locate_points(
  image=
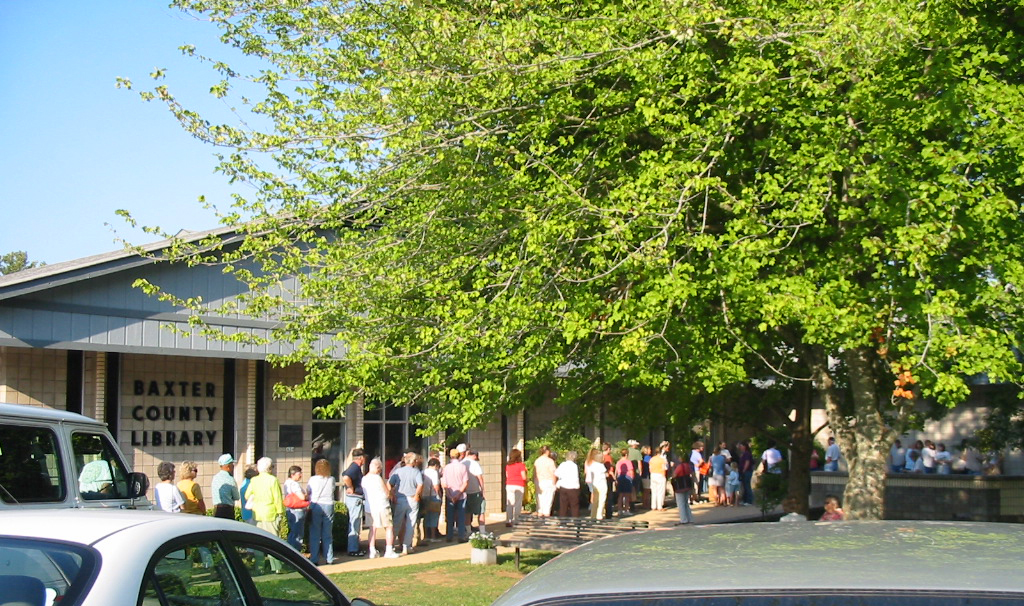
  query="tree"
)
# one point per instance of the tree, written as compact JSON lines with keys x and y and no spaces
{"x":16,"y":261}
{"x":482,"y":196}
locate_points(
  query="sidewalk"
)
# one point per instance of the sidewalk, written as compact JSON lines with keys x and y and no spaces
{"x":704,"y":513}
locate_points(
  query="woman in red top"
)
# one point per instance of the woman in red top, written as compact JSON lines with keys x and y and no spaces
{"x":515,"y":486}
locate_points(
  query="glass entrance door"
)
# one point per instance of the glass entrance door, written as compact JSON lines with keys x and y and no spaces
{"x":387,"y":433}
{"x":328,"y":439}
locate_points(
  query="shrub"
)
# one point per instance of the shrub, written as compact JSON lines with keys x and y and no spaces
{"x":482,"y":540}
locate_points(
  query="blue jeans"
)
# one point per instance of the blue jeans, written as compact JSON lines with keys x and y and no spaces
{"x":456,"y":514}
{"x":406,"y":512}
{"x":683,"y":504}
{"x":833,"y":466}
{"x":748,"y":490}
{"x":296,"y":522}
{"x":321,"y":522}
{"x":354,"y":503}
{"x":431,"y":518}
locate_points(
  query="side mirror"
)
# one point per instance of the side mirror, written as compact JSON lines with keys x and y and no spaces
{"x":361,"y":602}
{"x":138,"y":484}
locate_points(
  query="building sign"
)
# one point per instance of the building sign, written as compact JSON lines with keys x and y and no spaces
{"x":195,"y":420}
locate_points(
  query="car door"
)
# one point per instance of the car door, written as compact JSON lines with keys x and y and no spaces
{"x":234,"y":569}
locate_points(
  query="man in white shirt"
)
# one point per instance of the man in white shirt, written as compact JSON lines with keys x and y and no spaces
{"x":832,"y":455}
{"x":771,"y":458}
{"x":897,"y":457}
{"x":928,"y":456}
{"x":568,"y":484}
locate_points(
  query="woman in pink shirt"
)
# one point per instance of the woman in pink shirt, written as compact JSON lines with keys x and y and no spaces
{"x":515,"y":486}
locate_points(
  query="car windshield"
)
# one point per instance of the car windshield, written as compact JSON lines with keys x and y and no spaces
{"x":29,"y":568}
{"x":101,"y":475}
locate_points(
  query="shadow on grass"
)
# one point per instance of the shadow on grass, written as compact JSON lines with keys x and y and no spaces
{"x":446,"y":583}
{"x":528,"y":560}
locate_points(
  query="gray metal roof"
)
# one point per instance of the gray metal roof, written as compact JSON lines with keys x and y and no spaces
{"x":66,"y":272}
{"x":90,"y":304}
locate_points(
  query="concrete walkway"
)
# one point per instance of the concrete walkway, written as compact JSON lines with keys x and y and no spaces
{"x":704,"y":513}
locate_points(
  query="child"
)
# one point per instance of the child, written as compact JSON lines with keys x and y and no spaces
{"x":732,"y":484}
{"x":832,"y":511}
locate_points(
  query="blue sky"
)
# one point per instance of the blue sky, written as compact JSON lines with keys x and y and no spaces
{"x":74,"y":148}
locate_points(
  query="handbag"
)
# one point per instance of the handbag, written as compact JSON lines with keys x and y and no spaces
{"x":292,"y":500}
{"x":433,"y":506}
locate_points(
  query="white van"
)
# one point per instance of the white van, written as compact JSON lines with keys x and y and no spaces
{"x":53,"y":458}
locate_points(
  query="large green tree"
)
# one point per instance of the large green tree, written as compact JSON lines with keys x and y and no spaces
{"x":483,"y":196}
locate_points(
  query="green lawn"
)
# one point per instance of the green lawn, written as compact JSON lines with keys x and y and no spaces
{"x":452,"y":583}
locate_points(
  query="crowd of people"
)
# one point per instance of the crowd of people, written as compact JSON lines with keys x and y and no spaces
{"x":636,"y":475}
{"x":920,"y":456}
{"x":926,"y":456}
{"x":400,"y":500}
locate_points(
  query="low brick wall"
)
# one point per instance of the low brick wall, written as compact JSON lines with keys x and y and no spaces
{"x":938,"y":497}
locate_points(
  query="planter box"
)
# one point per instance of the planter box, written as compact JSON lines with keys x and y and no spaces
{"x":483,"y":556}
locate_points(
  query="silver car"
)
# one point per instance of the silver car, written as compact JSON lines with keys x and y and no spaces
{"x":781,"y":564}
{"x":113,"y":558}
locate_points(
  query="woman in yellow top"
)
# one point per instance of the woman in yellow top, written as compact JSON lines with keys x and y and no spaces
{"x":194,"y":502}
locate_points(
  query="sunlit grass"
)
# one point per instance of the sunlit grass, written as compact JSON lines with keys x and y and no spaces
{"x":450,"y":583}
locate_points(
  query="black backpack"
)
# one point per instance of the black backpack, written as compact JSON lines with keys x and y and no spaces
{"x":682,"y":483}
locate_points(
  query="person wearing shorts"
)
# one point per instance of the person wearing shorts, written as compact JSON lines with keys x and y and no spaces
{"x":378,"y":501}
{"x":475,"y":504}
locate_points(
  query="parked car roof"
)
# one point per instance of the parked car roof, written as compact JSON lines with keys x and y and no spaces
{"x":737,"y":559}
{"x":106,"y":556}
{"x":42,"y":413}
{"x":93,"y":525}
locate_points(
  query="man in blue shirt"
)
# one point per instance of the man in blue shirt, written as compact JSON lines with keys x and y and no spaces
{"x":406,"y":488}
{"x":224,"y":488}
{"x":352,"y":478}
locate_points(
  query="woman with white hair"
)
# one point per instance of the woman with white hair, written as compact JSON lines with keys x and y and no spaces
{"x":264,"y":498}
{"x":378,"y":501}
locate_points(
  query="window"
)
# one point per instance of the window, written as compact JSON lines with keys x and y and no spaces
{"x":195,"y":574}
{"x":328,"y":436}
{"x":61,"y":570}
{"x":101,"y":474}
{"x":278,"y":581}
{"x":30,"y":465}
{"x":387,"y":432}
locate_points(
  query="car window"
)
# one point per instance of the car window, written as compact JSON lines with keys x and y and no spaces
{"x":57,"y":571}
{"x":30,"y":465}
{"x":279,"y":582}
{"x":198,"y":574}
{"x":101,"y":474}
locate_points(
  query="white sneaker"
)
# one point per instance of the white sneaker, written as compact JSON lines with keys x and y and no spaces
{"x":391,"y":554}
{"x":374,"y":553}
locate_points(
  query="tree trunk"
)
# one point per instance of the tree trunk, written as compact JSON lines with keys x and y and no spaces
{"x":799,"y":488}
{"x":865,"y":437}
